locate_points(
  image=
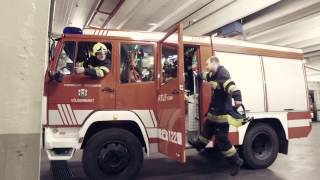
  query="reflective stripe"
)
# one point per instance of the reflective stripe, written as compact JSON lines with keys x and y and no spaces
{"x":217,"y":119}
{"x":226,"y":83}
{"x":80,"y":64}
{"x":103,"y":68}
{"x":232,"y":151}
{"x":204,"y":140}
{"x":214,"y":84}
{"x":232,"y":89}
{"x":225,"y":118}
{"x":204,"y":75}
{"x":235,"y":122}
{"x":99,"y":72}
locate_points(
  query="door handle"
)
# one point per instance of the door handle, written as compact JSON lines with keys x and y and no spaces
{"x":108,"y":89}
{"x":174,"y":92}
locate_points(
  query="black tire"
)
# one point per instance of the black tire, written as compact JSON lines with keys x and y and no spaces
{"x":112,"y":154}
{"x":260,"y":146}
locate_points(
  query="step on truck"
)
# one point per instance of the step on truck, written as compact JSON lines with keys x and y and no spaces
{"x":116,"y":119}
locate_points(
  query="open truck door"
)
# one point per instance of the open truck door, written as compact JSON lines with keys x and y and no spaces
{"x":170,"y":101}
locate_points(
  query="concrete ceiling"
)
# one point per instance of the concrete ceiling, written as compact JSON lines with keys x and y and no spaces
{"x":290,"y":23}
{"x":71,"y":13}
{"x":198,"y":16}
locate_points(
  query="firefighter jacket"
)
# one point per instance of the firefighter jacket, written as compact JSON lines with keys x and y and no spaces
{"x":96,"y":68}
{"x":223,"y":89}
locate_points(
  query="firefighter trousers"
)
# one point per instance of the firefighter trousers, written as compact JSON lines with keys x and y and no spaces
{"x":221,"y":131}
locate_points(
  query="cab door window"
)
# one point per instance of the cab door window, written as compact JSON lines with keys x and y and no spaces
{"x":66,"y":57}
{"x":169,"y":62}
{"x":137,"y":63}
{"x":94,"y":59}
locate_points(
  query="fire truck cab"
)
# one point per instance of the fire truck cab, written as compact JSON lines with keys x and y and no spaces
{"x":150,"y":102}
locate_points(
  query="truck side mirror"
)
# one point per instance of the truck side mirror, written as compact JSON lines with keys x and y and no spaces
{"x":57,"y":76}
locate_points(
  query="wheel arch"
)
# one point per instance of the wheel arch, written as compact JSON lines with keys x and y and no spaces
{"x":126,"y":119}
{"x":277,"y":125}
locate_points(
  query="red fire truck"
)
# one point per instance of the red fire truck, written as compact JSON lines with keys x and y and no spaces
{"x":116,"y":120}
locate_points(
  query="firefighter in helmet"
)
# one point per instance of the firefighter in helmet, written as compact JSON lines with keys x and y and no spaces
{"x":221,"y":113}
{"x":99,"y":64}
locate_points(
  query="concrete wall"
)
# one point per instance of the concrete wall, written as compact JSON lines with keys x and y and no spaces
{"x":23,"y":50}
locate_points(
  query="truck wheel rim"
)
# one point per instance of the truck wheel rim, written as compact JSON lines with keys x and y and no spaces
{"x":113,"y":158}
{"x":262,"y":146}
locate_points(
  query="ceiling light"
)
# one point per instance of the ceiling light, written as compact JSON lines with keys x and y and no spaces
{"x":152,"y":24}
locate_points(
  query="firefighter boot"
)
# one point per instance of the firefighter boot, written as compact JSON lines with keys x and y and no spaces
{"x":197,"y":143}
{"x":236,"y":162}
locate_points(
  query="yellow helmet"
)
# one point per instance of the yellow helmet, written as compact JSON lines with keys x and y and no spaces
{"x":99,"y":47}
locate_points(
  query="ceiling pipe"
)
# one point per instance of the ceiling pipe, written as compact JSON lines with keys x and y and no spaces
{"x":129,"y":15}
{"x":232,"y":12}
{"x":282,"y":13}
{"x":206,"y":7}
{"x":51,"y":14}
{"x":181,"y":8}
{"x":313,"y":68}
{"x":193,"y":13}
{"x":92,"y":12}
{"x":209,"y":14}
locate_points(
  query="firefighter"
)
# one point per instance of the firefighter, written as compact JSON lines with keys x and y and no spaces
{"x":220,"y":112}
{"x":134,"y":73}
{"x":99,"y":64}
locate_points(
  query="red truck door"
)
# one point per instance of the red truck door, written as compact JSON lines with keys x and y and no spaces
{"x":71,"y":101}
{"x":171,"y":107}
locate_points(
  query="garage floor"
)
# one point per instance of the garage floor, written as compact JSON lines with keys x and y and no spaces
{"x":303,"y":162}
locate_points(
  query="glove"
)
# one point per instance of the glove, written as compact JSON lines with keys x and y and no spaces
{"x":237,"y":104}
{"x":99,"y":72}
{"x":246,"y":120}
{"x":58,"y":76}
{"x":239,"y":119}
{"x":104,"y":69}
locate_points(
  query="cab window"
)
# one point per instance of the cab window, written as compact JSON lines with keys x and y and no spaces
{"x":169,"y":62}
{"x":66,"y":57}
{"x":94,"y":59}
{"x":137,"y":63}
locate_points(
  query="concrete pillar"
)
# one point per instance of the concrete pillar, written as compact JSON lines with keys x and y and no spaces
{"x":23,"y":50}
